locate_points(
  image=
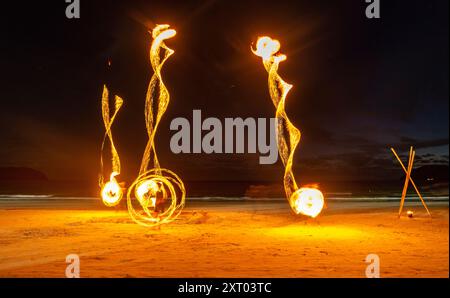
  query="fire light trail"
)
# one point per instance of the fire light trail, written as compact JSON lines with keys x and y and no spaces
{"x":111,"y":191}
{"x":306,"y":201}
{"x":159,"y":192}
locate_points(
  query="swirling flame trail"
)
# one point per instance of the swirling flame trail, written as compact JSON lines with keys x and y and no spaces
{"x":111,"y":191}
{"x":156,"y":187}
{"x":307,"y":201}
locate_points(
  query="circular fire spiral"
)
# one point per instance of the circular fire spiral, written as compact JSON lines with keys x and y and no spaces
{"x":161,"y":196}
{"x":159,"y":192}
{"x":306,"y":201}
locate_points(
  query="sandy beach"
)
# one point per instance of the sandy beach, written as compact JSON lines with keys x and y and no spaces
{"x":225,"y":239}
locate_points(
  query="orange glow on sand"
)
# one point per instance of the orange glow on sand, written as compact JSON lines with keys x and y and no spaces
{"x":306,"y":201}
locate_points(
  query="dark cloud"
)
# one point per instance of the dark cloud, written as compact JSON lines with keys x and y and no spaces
{"x":406,"y":142}
{"x":360,"y":86}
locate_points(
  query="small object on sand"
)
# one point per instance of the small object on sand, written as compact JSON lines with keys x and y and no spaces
{"x":410,"y":214}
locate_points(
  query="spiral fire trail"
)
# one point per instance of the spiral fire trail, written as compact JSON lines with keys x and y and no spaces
{"x":159,"y":192}
{"x":306,"y":201}
{"x":111,"y":191}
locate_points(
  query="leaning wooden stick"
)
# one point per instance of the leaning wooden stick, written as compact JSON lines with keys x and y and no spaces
{"x":408,"y":176}
{"x":412,"y":181}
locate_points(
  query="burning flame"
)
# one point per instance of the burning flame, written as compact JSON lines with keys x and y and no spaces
{"x":306,"y":201}
{"x":159,"y":192}
{"x":111,"y":192}
{"x":146,"y":193}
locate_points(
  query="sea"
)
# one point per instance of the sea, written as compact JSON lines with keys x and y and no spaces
{"x":43,"y":202}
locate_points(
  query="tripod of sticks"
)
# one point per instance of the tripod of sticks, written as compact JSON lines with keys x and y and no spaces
{"x":408,"y":179}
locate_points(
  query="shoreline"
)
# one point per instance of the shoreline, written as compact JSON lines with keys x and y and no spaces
{"x":237,"y":204}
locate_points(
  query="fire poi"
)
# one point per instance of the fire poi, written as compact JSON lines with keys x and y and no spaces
{"x":307,"y":201}
{"x":159,"y":192}
{"x":111,"y":191}
{"x":157,"y":196}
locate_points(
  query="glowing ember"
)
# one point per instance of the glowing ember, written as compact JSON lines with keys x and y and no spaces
{"x":111,"y":192}
{"x":159,"y":192}
{"x":305,"y":201}
{"x":410,"y":214}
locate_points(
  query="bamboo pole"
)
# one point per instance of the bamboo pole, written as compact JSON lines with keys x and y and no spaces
{"x":412,"y":181}
{"x":408,"y":175}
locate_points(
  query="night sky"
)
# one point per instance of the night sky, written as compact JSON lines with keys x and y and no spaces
{"x":360,"y":85}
